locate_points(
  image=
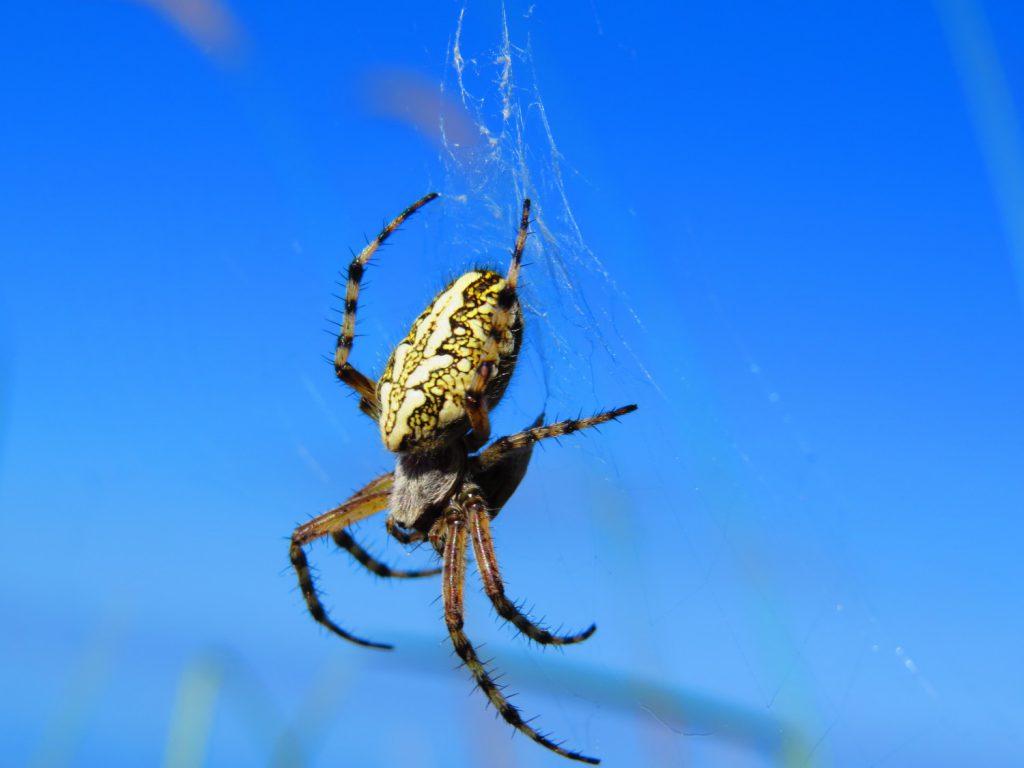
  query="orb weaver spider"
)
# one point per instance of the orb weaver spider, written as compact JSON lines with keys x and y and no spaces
{"x":431,"y":405}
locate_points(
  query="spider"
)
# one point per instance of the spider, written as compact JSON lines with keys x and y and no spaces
{"x":431,"y":405}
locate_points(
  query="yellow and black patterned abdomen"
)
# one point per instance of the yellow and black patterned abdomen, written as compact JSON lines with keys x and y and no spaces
{"x":422,"y":389}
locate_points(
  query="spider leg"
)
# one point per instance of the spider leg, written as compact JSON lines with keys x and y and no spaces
{"x":404,"y":535}
{"x":453,"y":580}
{"x":365,"y":387}
{"x":505,"y":445}
{"x":475,"y":402}
{"x":368,"y":501}
{"x":344,"y":540}
{"x":487,"y":564}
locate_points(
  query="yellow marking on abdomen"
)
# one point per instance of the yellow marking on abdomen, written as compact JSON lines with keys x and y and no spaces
{"x":421,"y":391}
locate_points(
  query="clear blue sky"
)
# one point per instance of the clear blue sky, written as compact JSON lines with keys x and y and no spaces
{"x":793,"y":234}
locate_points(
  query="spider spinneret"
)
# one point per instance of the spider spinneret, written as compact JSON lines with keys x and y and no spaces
{"x":431,"y":406}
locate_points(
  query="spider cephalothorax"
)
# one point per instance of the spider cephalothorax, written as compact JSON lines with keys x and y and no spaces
{"x":431,"y":405}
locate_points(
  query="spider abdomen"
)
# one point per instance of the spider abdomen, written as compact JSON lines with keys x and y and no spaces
{"x":422,"y":390}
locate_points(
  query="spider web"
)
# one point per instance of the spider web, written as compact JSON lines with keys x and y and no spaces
{"x":498,"y":147}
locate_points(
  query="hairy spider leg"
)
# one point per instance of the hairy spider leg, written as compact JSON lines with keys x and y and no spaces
{"x":365,"y":387}
{"x":404,"y":535}
{"x":453,"y":580}
{"x":365,"y":502}
{"x":344,"y":540}
{"x":505,"y":445}
{"x":487,"y":565}
{"x":475,"y":400}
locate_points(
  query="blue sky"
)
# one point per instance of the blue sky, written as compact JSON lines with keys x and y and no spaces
{"x":792,"y":235}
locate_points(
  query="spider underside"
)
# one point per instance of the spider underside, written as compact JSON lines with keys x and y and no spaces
{"x":431,"y":405}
